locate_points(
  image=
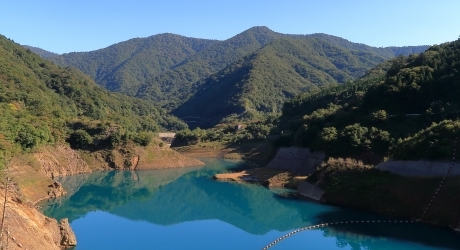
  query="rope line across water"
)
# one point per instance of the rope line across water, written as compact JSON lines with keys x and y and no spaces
{"x":449,"y":171}
{"x":331,"y":224}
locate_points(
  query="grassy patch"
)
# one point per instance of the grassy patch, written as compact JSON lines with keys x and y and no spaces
{"x":87,"y":157}
{"x":29,"y":160}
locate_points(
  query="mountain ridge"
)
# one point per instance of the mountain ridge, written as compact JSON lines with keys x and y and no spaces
{"x":284,"y":68}
{"x":169,"y":69}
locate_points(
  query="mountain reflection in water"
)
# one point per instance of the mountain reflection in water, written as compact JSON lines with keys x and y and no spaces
{"x":115,"y":209}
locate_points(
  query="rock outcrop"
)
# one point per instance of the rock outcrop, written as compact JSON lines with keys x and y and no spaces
{"x":61,"y":161}
{"x":27,"y":228}
{"x":35,"y":175}
{"x":310,"y":191}
{"x":67,"y":235}
{"x":163,"y":157}
{"x":56,"y":190}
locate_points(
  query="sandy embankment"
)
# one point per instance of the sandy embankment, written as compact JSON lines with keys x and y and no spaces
{"x":288,"y":168}
{"x":264,"y":176}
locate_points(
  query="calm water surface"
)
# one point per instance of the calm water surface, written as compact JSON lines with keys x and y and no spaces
{"x":186,"y":209}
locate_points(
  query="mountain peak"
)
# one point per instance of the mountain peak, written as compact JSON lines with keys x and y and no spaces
{"x":260,"y":30}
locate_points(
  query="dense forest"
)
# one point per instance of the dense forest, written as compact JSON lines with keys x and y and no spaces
{"x":126,"y":66}
{"x":42,"y":103}
{"x":163,"y":68}
{"x":406,"y":108}
{"x":169,"y":69}
{"x":344,"y":98}
{"x":261,"y":82}
{"x":410,"y":112}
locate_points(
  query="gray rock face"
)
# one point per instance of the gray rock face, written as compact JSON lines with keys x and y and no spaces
{"x":299,"y":160}
{"x":311,"y":191}
{"x":420,"y":168}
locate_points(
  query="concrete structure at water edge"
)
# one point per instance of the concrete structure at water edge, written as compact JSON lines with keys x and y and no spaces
{"x":168,"y":138}
{"x":298,"y":160}
{"x":421,"y":168}
{"x":311,"y":191}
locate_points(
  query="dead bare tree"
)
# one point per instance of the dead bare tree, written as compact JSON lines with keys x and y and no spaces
{"x":4,"y":208}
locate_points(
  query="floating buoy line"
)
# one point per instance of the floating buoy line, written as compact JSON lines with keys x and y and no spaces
{"x":449,"y":171}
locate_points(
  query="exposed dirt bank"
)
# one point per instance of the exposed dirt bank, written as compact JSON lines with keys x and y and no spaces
{"x":34,"y":172}
{"x":349,"y":183}
{"x":60,"y":161}
{"x":26,"y":228}
{"x":32,"y":176}
{"x":264,"y":176}
{"x":259,"y":151}
{"x":288,"y":168}
{"x":131,"y":157}
{"x":163,"y":157}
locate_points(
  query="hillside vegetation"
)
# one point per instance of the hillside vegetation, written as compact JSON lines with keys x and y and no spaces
{"x":410,"y":112}
{"x":405,"y":108}
{"x":170,"y":69}
{"x":42,"y":103}
{"x":125,"y":66}
{"x":261,"y":82}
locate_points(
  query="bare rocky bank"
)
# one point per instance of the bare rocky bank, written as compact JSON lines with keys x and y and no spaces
{"x":31,"y":180}
{"x":404,"y":192}
{"x":27,"y":228}
{"x":288,"y":168}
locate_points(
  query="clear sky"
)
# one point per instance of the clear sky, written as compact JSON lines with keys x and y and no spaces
{"x":82,"y":25}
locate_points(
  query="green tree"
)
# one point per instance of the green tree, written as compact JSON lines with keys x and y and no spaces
{"x":143,"y":138}
{"x":326,"y":139}
{"x":80,"y":139}
{"x":28,"y":137}
{"x":379,"y":116}
{"x":354,"y":136}
{"x":117,"y":138}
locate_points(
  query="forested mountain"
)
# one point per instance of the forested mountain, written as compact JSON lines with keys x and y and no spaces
{"x":169,"y":69}
{"x":42,"y":103}
{"x":410,"y":112}
{"x":43,"y":53}
{"x":262,"y":81}
{"x":125,"y":66}
{"x":386,"y":52}
{"x":177,"y":85}
{"x":163,"y":68}
{"x":404,"y":108}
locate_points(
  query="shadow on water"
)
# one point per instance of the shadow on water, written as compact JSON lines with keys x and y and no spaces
{"x":363,"y":235}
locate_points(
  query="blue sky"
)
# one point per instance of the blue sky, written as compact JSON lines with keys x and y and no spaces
{"x":81,"y":25}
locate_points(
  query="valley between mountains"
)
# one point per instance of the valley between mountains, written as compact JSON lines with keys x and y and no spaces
{"x":251,"y":97}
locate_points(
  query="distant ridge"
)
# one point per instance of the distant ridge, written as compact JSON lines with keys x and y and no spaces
{"x":170,"y":69}
{"x":43,"y":53}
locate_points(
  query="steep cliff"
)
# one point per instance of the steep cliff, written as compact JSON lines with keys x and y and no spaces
{"x":25,"y":227}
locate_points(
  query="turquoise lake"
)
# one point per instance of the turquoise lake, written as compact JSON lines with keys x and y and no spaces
{"x":186,"y":209}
